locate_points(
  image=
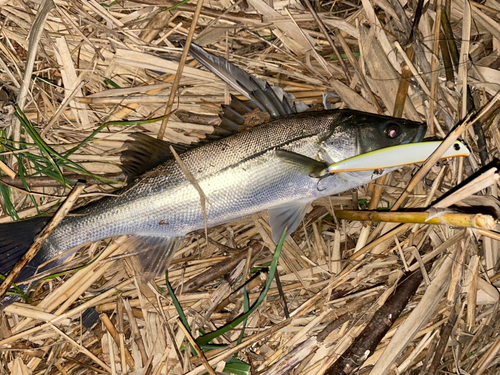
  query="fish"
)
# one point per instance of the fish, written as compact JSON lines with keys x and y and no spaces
{"x":270,"y":167}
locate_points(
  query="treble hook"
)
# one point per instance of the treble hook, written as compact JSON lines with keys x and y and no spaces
{"x":320,"y":178}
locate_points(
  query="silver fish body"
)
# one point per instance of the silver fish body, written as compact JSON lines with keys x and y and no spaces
{"x":240,"y":175}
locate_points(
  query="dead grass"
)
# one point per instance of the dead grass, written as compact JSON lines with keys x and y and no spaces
{"x":74,"y":65}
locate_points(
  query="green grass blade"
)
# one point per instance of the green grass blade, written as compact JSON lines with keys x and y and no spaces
{"x":178,"y":5}
{"x":246,"y":307}
{"x":274,"y":264}
{"x":22,"y":175}
{"x":51,"y":163}
{"x":109,"y":123}
{"x":7,"y":202}
{"x":178,"y":307}
{"x":111,"y":83}
{"x":235,"y":366}
{"x":44,"y":148}
{"x":16,"y":291}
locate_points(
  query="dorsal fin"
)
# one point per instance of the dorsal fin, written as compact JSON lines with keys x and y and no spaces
{"x":258,"y":91}
{"x":236,"y":117}
{"x":144,"y":153}
{"x":265,"y":103}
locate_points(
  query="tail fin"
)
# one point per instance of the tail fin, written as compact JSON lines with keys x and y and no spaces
{"x":15,"y":240}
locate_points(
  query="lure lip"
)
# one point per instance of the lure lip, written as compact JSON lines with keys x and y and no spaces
{"x":417,"y":153}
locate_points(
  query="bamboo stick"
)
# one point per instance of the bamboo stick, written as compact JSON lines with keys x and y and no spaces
{"x":446,"y":218}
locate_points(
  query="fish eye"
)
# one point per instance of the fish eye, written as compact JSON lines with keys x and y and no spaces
{"x":392,"y":130}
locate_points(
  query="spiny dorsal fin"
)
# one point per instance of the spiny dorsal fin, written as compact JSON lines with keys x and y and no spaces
{"x":144,"y":153}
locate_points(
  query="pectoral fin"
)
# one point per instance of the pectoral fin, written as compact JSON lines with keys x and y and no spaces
{"x":307,"y":165}
{"x":288,"y":216}
{"x":151,"y":256}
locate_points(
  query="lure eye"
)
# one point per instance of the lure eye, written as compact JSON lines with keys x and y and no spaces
{"x":392,"y":130}
{"x":456,"y":146}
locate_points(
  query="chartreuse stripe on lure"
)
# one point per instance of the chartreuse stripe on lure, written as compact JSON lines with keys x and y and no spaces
{"x":396,"y":156}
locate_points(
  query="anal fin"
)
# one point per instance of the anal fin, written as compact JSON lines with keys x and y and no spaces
{"x":288,"y":216}
{"x":151,"y":256}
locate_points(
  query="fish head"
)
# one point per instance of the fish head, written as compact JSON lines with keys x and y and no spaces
{"x":354,"y":133}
